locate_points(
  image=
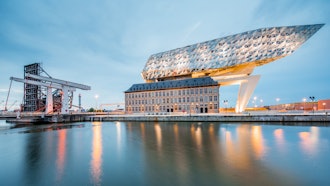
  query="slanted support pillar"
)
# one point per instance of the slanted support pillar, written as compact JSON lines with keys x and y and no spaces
{"x":49,"y":101}
{"x":246,"y":89}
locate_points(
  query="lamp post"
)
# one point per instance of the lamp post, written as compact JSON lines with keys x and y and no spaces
{"x":304,"y":100}
{"x":277,"y":101}
{"x":225,"y":102}
{"x":312,"y":99}
{"x":96,"y":97}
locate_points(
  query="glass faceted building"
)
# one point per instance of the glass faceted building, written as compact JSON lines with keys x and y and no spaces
{"x":228,"y":60}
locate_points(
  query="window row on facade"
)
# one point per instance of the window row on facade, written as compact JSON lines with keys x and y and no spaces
{"x":170,"y":93}
{"x":173,"y":100}
{"x":189,"y":108}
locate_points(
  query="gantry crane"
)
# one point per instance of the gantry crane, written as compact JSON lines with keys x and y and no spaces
{"x":111,"y":104}
{"x":66,"y":88}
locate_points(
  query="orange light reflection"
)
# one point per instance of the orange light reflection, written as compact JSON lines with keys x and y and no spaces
{"x":279,"y":137}
{"x":96,"y":161}
{"x":158,"y":131}
{"x":61,"y":152}
{"x":309,"y":141}
{"x":257,"y":141}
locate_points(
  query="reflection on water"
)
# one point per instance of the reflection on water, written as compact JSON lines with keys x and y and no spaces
{"x":60,"y":163}
{"x":96,"y":161}
{"x":309,"y":141}
{"x":119,"y":153}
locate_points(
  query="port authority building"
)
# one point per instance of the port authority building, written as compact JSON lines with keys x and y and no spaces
{"x":188,"y":79}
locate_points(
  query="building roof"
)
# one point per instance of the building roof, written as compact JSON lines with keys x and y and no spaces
{"x":173,"y":84}
{"x":216,"y":57}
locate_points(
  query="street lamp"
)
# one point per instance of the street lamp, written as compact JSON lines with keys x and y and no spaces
{"x":304,"y":100}
{"x":277,"y":101}
{"x":312,"y":99}
{"x":96,"y":97}
{"x":225,"y":102}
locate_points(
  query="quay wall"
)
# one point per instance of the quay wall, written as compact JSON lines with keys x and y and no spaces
{"x":213,"y":118}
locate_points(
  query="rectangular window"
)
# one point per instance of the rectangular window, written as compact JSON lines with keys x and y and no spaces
{"x":201,"y":99}
{"x":215,"y":106}
{"x":179,"y":100}
{"x":201,"y":91}
{"x":196,"y":91}
{"x":210,"y":98}
{"x":156,"y":94}
{"x":179,"y":92}
{"x":183,"y":92}
{"x":188,"y":99}
{"x":183,"y":100}
{"x":215,"y":98}
{"x":191,"y":91}
{"x":205,"y":90}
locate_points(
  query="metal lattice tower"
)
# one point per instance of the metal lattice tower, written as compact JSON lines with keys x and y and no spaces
{"x":32,"y":93}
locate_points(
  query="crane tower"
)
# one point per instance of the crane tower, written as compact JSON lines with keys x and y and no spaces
{"x":44,"y":93}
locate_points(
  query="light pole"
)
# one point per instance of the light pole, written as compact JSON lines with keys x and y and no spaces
{"x":96,"y":97}
{"x":225,"y":102}
{"x":312,"y":99}
{"x":277,"y":101}
{"x":304,"y":100}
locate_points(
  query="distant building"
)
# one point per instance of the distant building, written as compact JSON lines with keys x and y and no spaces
{"x":229,"y":60}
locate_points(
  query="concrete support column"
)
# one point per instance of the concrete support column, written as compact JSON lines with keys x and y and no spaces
{"x":246,"y":89}
{"x":49,"y":101}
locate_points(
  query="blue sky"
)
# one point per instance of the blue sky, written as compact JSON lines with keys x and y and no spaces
{"x":105,"y":44}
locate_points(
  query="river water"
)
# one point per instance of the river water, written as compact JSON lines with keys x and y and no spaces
{"x":183,"y":153}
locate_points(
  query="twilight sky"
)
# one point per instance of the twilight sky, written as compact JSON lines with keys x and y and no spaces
{"x":106,"y":43}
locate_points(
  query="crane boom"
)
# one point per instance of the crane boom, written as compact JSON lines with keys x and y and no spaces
{"x":61,"y":82}
{"x":38,"y":83}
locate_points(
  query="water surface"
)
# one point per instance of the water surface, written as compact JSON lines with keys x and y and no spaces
{"x":184,"y":153}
